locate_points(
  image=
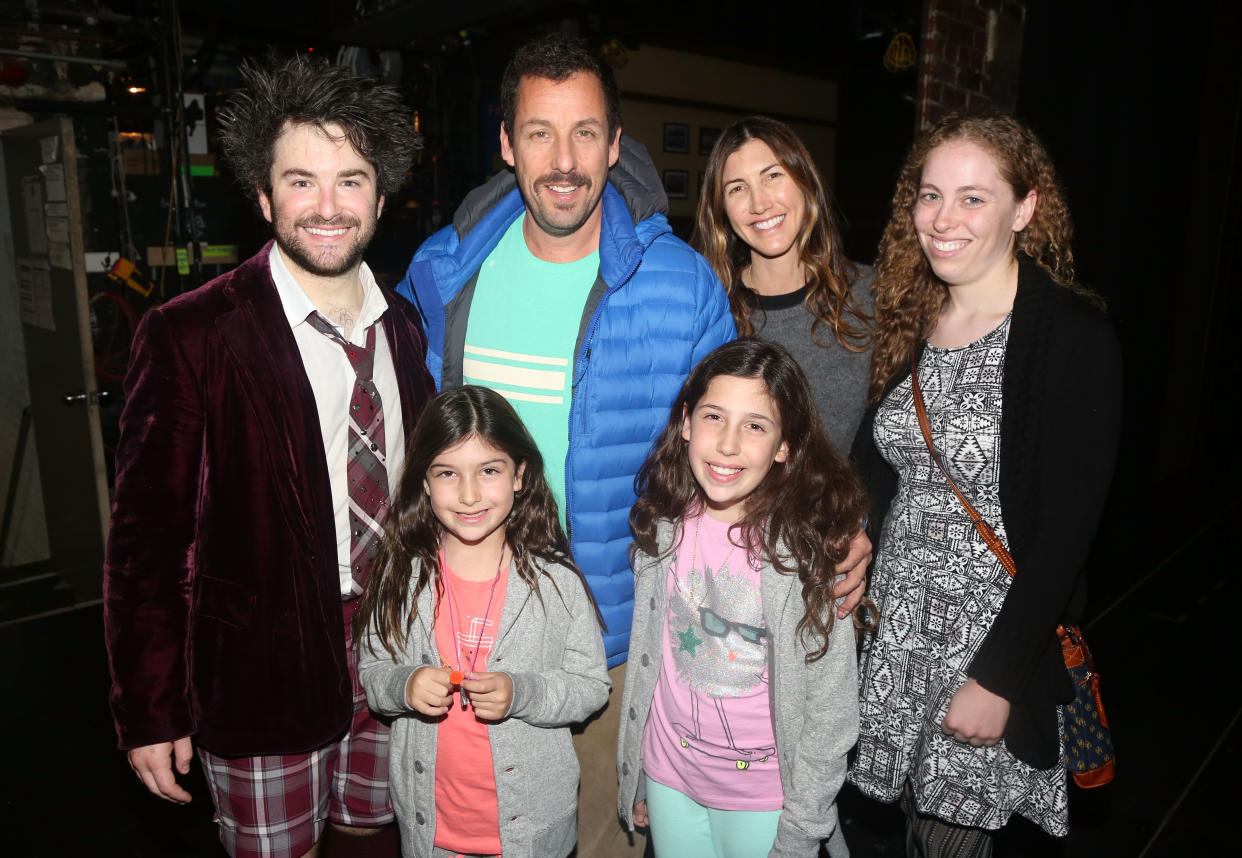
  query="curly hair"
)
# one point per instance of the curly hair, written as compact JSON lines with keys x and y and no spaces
{"x":557,"y":58}
{"x":802,"y":515}
{"x":301,"y":91}
{"x":412,"y":533}
{"x":908,"y":295}
{"x":819,"y":243}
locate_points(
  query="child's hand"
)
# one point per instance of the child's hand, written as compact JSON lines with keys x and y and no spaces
{"x":490,"y":694}
{"x":429,"y":691}
{"x":640,"y":815}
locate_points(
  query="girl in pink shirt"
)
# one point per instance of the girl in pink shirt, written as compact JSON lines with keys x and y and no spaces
{"x":740,"y":700}
{"x":479,"y":636}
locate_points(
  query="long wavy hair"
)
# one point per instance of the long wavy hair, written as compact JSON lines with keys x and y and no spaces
{"x":829,"y":273}
{"x":800,"y":518}
{"x":412,"y":533}
{"x":908,"y":295}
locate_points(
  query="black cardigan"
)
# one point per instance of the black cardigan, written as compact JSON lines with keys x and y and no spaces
{"x":1060,"y":423}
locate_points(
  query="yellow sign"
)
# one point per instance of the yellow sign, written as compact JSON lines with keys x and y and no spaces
{"x":900,"y":54}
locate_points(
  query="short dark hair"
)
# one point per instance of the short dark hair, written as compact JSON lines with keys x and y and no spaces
{"x":557,"y":58}
{"x":302,"y":91}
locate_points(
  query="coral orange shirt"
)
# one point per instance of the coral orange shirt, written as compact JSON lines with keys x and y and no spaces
{"x":467,"y":815}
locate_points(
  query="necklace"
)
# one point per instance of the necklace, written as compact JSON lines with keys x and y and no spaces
{"x":694,"y":553}
{"x":457,"y":675}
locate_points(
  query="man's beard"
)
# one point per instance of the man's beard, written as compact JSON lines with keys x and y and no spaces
{"x":328,"y":262}
{"x":544,"y":209}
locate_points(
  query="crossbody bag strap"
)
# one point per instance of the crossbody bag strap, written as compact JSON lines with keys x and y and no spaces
{"x":984,"y":529}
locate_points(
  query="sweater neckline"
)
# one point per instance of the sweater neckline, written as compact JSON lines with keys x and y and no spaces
{"x":768,"y":303}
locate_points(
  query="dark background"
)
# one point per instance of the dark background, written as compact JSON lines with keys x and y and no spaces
{"x":1139,"y":104}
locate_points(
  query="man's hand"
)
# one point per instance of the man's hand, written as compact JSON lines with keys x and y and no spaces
{"x":429,"y":691}
{"x":976,"y":716}
{"x":490,"y":694}
{"x":641,"y":820}
{"x":854,"y":567}
{"x":153,"y":764}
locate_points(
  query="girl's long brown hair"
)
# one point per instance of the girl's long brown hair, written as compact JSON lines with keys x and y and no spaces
{"x":908,"y":295}
{"x":829,"y":273}
{"x":802,"y":515}
{"x":412,"y":533}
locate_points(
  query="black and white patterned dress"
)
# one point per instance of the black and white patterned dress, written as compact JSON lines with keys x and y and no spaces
{"x":939,"y":589}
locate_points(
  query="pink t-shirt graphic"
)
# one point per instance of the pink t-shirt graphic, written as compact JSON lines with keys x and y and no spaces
{"x":710,"y":733}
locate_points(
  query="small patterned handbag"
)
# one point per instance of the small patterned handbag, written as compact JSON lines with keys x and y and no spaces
{"x":1087,"y":740}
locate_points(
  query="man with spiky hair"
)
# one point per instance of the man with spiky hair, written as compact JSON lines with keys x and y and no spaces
{"x":264,"y":423}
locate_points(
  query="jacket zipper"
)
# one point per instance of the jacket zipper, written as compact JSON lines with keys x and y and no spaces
{"x":584,"y":359}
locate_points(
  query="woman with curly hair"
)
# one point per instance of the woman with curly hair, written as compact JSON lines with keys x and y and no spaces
{"x":766,"y":226}
{"x":1020,"y":371}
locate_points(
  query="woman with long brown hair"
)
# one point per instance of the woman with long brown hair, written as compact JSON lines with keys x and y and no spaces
{"x":1020,"y":372}
{"x":768,"y":229}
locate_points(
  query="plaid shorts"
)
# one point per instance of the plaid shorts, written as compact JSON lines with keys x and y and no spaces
{"x":276,"y":806}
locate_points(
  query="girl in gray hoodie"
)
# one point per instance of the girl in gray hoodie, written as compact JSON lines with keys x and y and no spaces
{"x":479,"y":637}
{"x":740,"y":699}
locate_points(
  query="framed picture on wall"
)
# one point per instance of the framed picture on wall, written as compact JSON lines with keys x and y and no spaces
{"x":676,"y":137}
{"x":676,"y":184}
{"x":707,"y":139}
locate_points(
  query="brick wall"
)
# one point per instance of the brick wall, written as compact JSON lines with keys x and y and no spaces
{"x":970,"y":57}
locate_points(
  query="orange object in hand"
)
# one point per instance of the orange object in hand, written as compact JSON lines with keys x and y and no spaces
{"x":456,"y":677}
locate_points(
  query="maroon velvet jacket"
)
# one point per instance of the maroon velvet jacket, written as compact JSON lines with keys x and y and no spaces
{"x":222,"y":605}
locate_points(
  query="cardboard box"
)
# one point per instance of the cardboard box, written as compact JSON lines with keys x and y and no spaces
{"x":141,"y":162}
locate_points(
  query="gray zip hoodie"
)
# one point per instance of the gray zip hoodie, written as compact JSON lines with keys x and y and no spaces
{"x":554,"y":653}
{"x":814,"y":706}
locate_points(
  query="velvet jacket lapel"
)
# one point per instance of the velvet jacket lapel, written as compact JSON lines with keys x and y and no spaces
{"x":276,"y":387}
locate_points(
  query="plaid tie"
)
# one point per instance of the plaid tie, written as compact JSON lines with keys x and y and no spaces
{"x":367,"y":468}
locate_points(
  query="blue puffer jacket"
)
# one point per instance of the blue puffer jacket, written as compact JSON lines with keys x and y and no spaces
{"x":655,"y":311}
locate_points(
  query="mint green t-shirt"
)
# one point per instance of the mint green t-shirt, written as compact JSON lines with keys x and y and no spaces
{"x":520,"y":340}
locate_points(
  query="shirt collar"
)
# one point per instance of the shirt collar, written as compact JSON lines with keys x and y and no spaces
{"x":298,"y":306}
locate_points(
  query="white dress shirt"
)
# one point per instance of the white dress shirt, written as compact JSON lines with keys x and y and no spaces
{"x":332,"y":378}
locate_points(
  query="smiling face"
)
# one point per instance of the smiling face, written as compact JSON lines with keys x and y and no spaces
{"x":471,"y":487}
{"x":561,"y":153}
{"x":734,"y":435}
{"x":323,"y":204}
{"x":765,"y":206}
{"x":966,"y":216}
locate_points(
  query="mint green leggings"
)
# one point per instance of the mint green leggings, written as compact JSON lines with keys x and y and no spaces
{"x":683,"y":828}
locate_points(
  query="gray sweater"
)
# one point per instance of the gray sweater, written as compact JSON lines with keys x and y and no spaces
{"x":814,"y":706}
{"x":554,"y":654}
{"x":838,"y":376}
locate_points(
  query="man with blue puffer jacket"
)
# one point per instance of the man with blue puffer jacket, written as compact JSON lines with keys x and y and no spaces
{"x":569,"y":293}
{"x":561,"y":285}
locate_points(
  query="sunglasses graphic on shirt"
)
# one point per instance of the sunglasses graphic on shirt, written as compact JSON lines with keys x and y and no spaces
{"x":717,"y":626}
